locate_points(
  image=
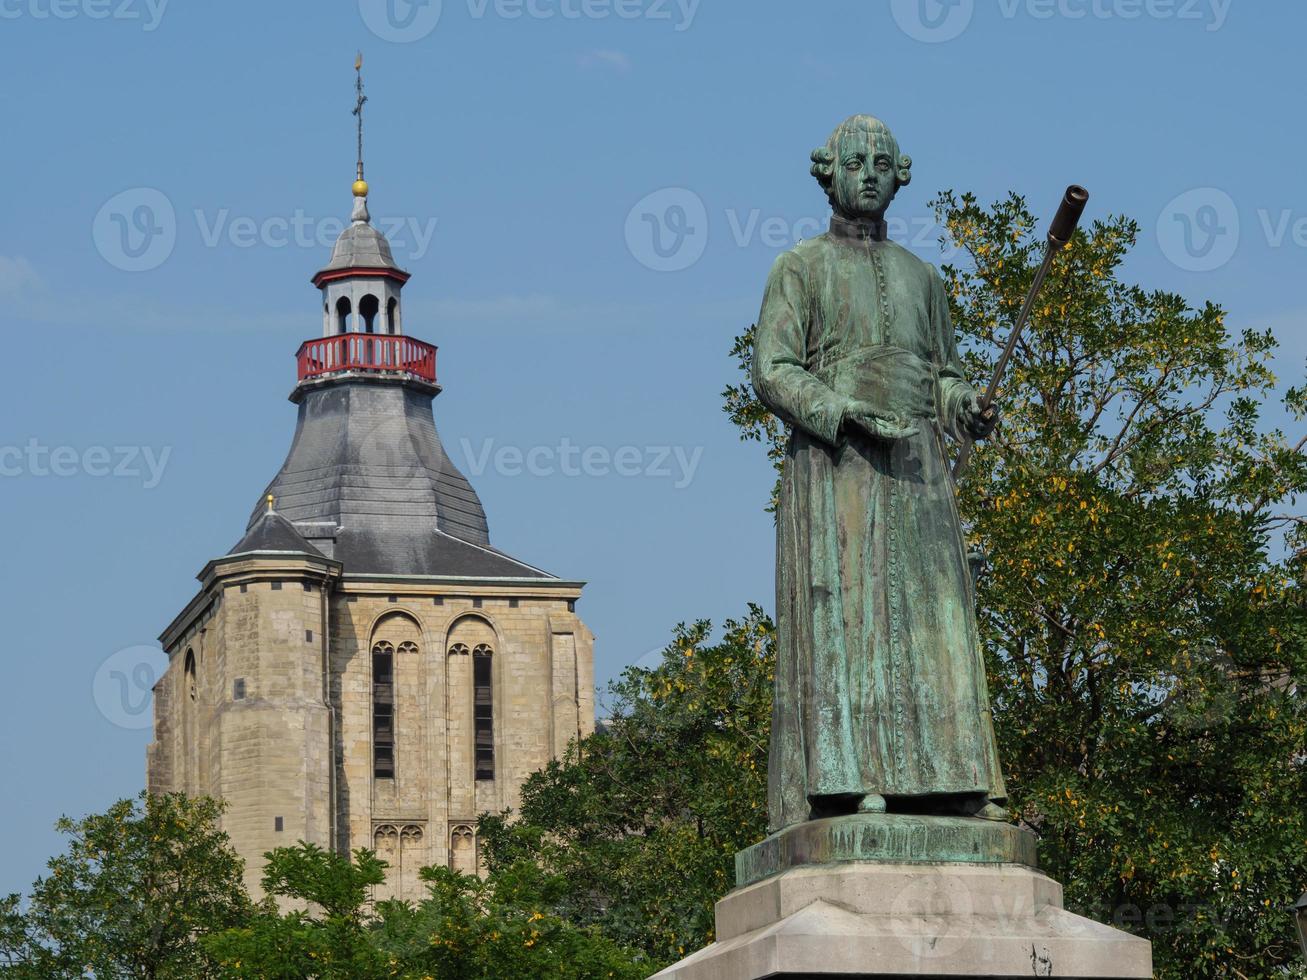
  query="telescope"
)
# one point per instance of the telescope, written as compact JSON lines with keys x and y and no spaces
{"x":1059,"y":235}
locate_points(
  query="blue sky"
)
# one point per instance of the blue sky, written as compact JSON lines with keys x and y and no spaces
{"x":589,"y":194}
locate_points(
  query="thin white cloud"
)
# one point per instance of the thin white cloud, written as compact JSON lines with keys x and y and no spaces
{"x":527,"y":311}
{"x":18,"y":279}
{"x":609,"y":58}
{"x":28,"y":297}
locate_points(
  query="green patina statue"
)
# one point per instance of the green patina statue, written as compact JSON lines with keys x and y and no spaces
{"x":881,"y":700}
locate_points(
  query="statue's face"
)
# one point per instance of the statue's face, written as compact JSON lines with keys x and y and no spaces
{"x":864,"y":174}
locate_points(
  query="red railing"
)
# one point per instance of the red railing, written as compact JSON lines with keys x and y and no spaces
{"x":366,"y":352}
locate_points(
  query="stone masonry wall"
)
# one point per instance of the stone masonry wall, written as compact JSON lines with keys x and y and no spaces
{"x":267,"y":749}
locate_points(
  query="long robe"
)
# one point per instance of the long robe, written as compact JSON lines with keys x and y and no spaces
{"x":880,"y":680}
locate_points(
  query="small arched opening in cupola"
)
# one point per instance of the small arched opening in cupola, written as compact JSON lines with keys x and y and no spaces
{"x":369,"y":306}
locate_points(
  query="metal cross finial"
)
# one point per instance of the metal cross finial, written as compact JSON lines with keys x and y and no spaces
{"x":358,"y":106}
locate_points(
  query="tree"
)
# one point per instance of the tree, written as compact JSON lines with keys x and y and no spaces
{"x":137,"y":888}
{"x":333,"y":940}
{"x":642,"y":820}
{"x":499,"y":929}
{"x":1143,"y":604}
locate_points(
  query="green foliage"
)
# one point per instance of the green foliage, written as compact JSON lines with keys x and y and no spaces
{"x":504,"y":927}
{"x":500,"y":929}
{"x":152,"y":889}
{"x":1144,"y":626}
{"x":137,"y":888}
{"x":330,"y":881}
{"x":750,"y":416}
{"x":333,"y":940}
{"x":643,"y":818}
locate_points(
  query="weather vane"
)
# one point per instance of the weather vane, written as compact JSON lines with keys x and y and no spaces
{"x":360,"y":185}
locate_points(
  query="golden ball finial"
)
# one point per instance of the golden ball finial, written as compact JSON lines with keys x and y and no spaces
{"x":360,"y":188}
{"x":271,"y":502}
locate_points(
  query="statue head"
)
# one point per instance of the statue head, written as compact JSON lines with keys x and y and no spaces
{"x":860,"y":168}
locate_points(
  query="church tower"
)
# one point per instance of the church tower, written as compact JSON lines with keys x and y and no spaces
{"x":363,"y":668}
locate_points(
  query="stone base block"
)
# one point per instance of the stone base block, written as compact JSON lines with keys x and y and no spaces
{"x":886,"y":837}
{"x":941,"y":920}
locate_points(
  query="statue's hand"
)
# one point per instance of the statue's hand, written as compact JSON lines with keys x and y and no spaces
{"x":865,"y":418}
{"x":977,"y":423}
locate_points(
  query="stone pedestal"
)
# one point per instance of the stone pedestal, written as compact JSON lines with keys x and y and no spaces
{"x":872,"y":909}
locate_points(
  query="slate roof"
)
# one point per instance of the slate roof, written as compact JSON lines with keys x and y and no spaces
{"x":426,"y":553}
{"x":273,"y":533}
{"x":368,"y":480}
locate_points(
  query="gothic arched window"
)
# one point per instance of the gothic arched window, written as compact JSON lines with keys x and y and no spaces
{"x":463,"y":850}
{"x":342,"y":314}
{"x":483,"y":711}
{"x":190,"y":725}
{"x":383,"y":710}
{"x":392,"y":315}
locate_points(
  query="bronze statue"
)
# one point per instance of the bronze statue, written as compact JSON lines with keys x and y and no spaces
{"x":883,"y":753}
{"x":881,"y":700}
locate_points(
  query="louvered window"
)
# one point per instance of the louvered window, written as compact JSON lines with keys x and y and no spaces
{"x":383,"y":711}
{"x":483,"y":711}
